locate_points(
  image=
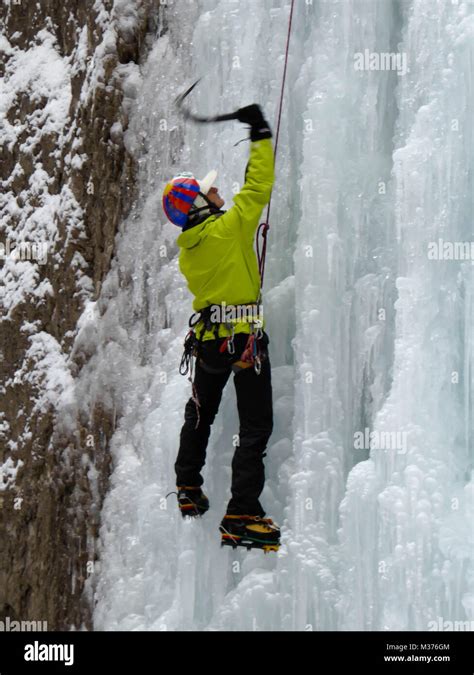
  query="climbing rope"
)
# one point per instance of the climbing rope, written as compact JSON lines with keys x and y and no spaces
{"x":265,"y":226}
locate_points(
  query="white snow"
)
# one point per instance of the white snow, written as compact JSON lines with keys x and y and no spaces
{"x":8,"y":471}
{"x":37,"y":80}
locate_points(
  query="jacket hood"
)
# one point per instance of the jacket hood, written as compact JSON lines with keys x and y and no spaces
{"x":192,"y":237}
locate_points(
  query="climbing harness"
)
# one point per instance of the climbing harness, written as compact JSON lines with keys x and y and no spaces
{"x":252,"y":354}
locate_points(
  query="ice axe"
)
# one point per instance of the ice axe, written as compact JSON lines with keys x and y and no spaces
{"x":187,"y":114}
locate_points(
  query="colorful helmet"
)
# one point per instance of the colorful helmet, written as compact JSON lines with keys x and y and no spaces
{"x":178,"y":198}
{"x":181,"y":193}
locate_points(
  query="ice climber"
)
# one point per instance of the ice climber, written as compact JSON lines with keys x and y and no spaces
{"x":218,"y":260}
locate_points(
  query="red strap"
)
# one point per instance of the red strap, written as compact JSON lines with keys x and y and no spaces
{"x":223,"y":346}
{"x":247,"y":354}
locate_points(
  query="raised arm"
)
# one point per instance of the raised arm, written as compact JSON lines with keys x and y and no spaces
{"x":243,"y":218}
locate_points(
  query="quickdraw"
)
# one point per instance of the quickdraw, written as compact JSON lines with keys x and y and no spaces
{"x":228,"y":343}
{"x":251,"y":356}
{"x":188,"y":353}
{"x":186,"y":366}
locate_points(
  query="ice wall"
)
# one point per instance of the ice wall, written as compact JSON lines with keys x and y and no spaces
{"x":365,"y":330}
{"x":407,"y":530}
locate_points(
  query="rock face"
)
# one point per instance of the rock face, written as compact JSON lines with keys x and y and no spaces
{"x":66,"y":183}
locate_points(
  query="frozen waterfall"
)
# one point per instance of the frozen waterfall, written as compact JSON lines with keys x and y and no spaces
{"x":370,"y":323}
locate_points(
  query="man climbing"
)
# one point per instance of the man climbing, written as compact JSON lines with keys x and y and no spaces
{"x":218,"y":259}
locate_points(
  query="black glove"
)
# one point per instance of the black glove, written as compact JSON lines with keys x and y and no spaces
{"x":259,"y":127}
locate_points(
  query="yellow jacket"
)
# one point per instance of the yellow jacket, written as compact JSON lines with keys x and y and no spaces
{"x":218,"y":257}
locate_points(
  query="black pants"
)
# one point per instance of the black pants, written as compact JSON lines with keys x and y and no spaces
{"x":254,"y":402}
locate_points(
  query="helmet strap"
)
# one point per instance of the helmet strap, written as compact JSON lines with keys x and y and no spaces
{"x":208,"y":208}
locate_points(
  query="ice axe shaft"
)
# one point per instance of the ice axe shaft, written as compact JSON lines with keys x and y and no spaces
{"x":198,"y":118}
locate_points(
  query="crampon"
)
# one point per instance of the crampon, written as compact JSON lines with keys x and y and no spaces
{"x":250,"y":532}
{"x":192,"y":501}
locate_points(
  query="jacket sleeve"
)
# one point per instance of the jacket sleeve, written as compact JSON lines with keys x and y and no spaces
{"x":243,"y":218}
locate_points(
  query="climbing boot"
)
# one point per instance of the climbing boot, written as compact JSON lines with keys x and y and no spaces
{"x":250,"y":532}
{"x":192,"y":501}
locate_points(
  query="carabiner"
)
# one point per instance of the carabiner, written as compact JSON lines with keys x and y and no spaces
{"x":230,"y":343}
{"x":257,"y":365}
{"x":192,"y":323}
